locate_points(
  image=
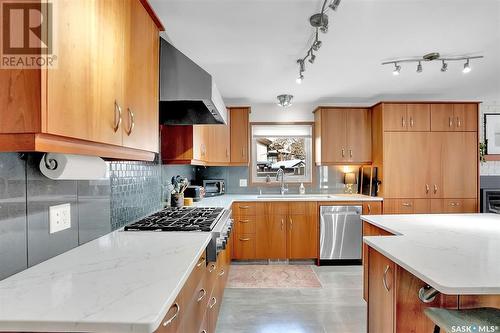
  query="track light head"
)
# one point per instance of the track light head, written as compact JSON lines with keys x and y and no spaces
{"x":302,"y":65}
{"x":334,"y":4}
{"x":317,"y":45}
{"x":300,"y":78}
{"x":397,"y":69}
{"x":467,"y":68}
{"x":324,"y":29}
{"x":419,"y":67}
{"x":444,"y":67}
{"x":312,"y":58}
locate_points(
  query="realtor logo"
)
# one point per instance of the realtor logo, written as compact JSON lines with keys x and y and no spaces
{"x":27,"y":34}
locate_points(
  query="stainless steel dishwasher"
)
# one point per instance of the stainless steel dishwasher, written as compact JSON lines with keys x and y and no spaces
{"x":340,"y":233}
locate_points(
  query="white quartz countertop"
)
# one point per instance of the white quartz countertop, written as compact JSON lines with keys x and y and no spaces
{"x":226,"y":200}
{"x":458,"y":254}
{"x":121,"y":282}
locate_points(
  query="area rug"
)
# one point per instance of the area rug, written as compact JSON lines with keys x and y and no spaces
{"x":272,"y":276}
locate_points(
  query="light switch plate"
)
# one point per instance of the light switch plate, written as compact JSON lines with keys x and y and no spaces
{"x":243,"y":183}
{"x":59,"y":218}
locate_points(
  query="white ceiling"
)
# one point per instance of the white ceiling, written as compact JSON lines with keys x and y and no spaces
{"x":251,"y":47}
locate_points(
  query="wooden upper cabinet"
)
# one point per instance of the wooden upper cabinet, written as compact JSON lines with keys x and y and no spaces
{"x":449,"y":117}
{"x":418,"y":117}
{"x":140,"y":113}
{"x":107,"y":64}
{"x":394,"y":117}
{"x":219,"y":138}
{"x":239,"y":135}
{"x":342,"y":135}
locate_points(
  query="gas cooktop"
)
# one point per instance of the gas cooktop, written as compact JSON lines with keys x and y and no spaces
{"x":179,"y":219}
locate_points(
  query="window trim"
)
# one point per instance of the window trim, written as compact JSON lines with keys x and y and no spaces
{"x":253,"y":182}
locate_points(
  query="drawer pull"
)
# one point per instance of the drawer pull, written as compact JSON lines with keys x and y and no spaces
{"x":168,"y":322}
{"x":203,"y":294}
{"x":450,"y":122}
{"x":244,"y":207}
{"x":204,"y":331}
{"x":119,"y":121}
{"x":384,"y":279}
{"x":244,"y":239}
{"x":411,"y":121}
{"x":213,"y":301}
{"x":454,"y":204}
{"x":221,"y":272}
{"x":200,"y":262}
{"x":435,"y":188}
{"x":369,"y":208}
{"x":406,"y":204}
{"x":427,"y":189}
{"x":245,"y":221}
{"x":212,"y":268}
{"x":131,"y":118}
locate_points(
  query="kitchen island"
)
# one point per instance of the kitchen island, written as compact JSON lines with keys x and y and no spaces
{"x":456,"y":254}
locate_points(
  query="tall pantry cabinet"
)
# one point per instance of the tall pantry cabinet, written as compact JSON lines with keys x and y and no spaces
{"x":427,"y":155}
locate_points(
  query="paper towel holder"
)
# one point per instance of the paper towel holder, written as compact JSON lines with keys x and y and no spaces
{"x":50,"y":163}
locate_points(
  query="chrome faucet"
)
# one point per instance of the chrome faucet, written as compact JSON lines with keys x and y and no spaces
{"x":283,"y":188}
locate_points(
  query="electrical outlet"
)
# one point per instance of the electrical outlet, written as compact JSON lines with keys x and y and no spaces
{"x":243,"y":183}
{"x":59,"y":218}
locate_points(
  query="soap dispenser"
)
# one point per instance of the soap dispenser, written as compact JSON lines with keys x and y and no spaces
{"x":302,"y":189}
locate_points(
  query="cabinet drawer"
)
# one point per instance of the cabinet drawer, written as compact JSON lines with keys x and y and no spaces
{"x":407,"y":206}
{"x":372,"y":208}
{"x":173,"y":320}
{"x":244,"y":246}
{"x":244,"y":209}
{"x":454,"y":206}
{"x":244,"y":225}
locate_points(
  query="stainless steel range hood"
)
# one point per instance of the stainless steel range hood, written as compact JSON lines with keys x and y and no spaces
{"x":188,"y":94}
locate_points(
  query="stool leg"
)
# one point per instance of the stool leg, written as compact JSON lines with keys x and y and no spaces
{"x":437,"y":329}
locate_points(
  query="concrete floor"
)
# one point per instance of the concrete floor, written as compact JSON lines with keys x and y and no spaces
{"x":338,"y":307}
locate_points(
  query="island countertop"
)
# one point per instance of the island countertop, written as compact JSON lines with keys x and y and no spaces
{"x":121,"y":282}
{"x":457,"y":254}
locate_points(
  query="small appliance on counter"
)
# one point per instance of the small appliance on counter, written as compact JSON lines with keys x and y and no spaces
{"x":214,"y":187}
{"x":195,"y":191}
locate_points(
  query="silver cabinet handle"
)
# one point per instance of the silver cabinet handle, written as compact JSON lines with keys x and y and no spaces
{"x":242,"y":152}
{"x":200,"y":262}
{"x":244,"y":221}
{"x":427,"y":189}
{"x":222,"y":272}
{"x":131,"y":118}
{"x":384,"y":279}
{"x":406,"y":204}
{"x":213,"y":301}
{"x":169,"y":321}
{"x":244,"y":239}
{"x":435,"y":188}
{"x":203,"y":294}
{"x":454,"y":204}
{"x":343,"y":152}
{"x":450,"y":121}
{"x":282,"y":224}
{"x":350,"y":153}
{"x":369,"y":208}
{"x":291,"y":223}
{"x":459,"y":122}
{"x":244,"y":207}
{"x":403,"y":122}
{"x":212,"y":268}
{"x":411,"y":121}
{"x":119,"y":121}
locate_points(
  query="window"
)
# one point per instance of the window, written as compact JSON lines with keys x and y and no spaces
{"x":281,"y":146}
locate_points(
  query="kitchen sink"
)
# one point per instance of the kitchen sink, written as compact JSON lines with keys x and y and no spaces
{"x":293,"y":196}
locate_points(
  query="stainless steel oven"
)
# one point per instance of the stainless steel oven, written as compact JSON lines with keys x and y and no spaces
{"x":490,"y":201}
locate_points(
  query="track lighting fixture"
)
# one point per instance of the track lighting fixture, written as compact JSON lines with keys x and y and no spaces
{"x":319,"y":22}
{"x":434,"y":56}
{"x":444,"y":67}
{"x":284,"y":100}
{"x":419,"y":67}
{"x":397,"y":69}
{"x":467,"y":68}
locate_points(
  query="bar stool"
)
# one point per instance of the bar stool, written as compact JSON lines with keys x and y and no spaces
{"x":446,"y":319}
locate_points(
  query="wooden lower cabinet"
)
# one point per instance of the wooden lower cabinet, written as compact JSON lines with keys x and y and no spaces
{"x":453,"y":206}
{"x":271,"y":235}
{"x":372,"y":208}
{"x":244,"y":246}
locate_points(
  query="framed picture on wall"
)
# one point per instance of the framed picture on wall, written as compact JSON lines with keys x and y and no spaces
{"x":492,"y":133}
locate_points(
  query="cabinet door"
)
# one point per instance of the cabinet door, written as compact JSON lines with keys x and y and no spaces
{"x":454,"y":164}
{"x":372,"y":208}
{"x":333,"y":136}
{"x":381,"y":273}
{"x":359,"y":135}
{"x":394,"y":117}
{"x":218,"y":147}
{"x":466,"y":117}
{"x":140,"y":118}
{"x":442,"y":117}
{"x":200,"y":138}
{"x":239,"y":135}
{"x":419,"y":117}
{"x":302,"y":239}
{"x":271,"y":237}
{"x":406,"y":165}
{"x":244,"y":246}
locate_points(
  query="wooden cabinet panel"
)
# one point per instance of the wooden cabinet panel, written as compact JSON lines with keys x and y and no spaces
{"x":244,"y":225}
{"x":466,"y":117}
{"x":372,"y":208}
{"x":419,"y":117}
{"x":381,"y":280}
{"x":200,"y":139}
{"x":218,"y":146}
{"x":454,"y":164}
{"x":394,"y":117}
{"x":303,"y":230}
{"x":407,"y":206}
{"x":244,"y":209}
{"x":140,"y":113}
{"x":271,"y":237}
{"x":244,"y":246}
{"x":359,"y":135}
{"x":406,"y":164}
{"x":239,"y":135}
{"x":442,"y":117}
{"x":453,"y":206}
{"x":478,"y":301}
{"x":333,"y":135}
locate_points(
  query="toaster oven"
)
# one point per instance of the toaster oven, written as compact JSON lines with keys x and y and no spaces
{"x":214,"y":187}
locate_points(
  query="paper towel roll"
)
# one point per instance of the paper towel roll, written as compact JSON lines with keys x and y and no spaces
{"x":74,"y":167}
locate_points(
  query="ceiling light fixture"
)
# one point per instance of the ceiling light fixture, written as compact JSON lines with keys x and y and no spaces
{"x":467,"y":68}
{"x":319,"y":22}
{"x":397,"y":69}
{"x":284,"y":100}
{"x":434,"y":56}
